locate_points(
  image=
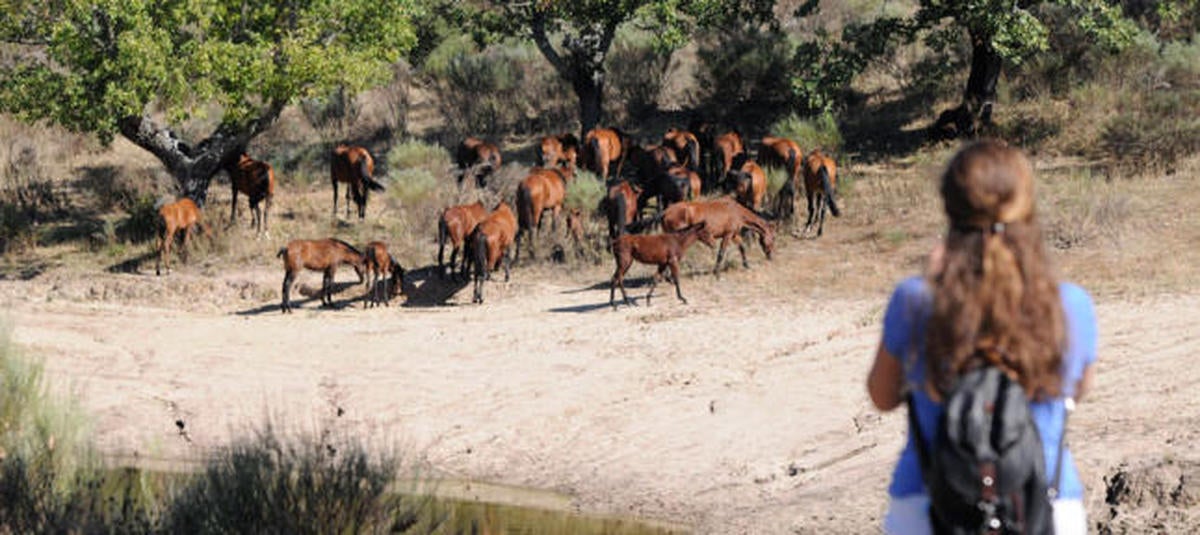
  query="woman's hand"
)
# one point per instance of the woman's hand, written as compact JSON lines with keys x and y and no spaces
{"x":886,"y":380}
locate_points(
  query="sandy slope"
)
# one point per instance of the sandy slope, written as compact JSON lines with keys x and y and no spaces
{"x":743,"y":412}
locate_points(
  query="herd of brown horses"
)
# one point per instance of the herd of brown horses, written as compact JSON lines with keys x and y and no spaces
{"x":663,"y":188}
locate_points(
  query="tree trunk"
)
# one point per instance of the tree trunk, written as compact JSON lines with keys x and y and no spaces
{"x":194,"y":166}
{"x":590,"y":104}
{"x":980,"y":95}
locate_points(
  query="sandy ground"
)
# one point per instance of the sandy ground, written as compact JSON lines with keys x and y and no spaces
{"x":744,"y":412}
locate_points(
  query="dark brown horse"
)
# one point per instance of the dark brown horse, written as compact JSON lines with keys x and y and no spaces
{"x":820,"y":182}
{"x":649,"y":161}
{"x":725,"y":219}
{"x":602,"y":147}
{"x":318,"y":255}
{"x":454,"y":226}
{"x":685,"y":146}
{"x":180,"y":216}
{"x":748,"y":182}
{"x":477,"y":158}
{"x":544,"y":189}
{"x":554,"y":151}
{"x":353,"y":166}
{"x":783,"y":153}
{"x":490,"y":242}
{"x":383,"y":268}
{"x":620,"y":206}
{"x":662,"y":250}
{"x":257,"y":180}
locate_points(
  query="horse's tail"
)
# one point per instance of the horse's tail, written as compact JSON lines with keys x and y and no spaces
{"x":791,"y":162}
{"x":364,"y":171}
{"x":443,"y":234}
{"x":479,"y":250}
{"x":524,"y":208}
{"x":617,"y":210}
{"x":282,"y":251}
{"x":541,"y":156}
{"x":369,"y":257}
{"x":823,"y":175}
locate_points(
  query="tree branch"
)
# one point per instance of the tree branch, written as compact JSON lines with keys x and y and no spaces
{"x":538,"y":30}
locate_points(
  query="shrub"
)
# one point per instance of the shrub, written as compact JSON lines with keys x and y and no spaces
{"x":1153,"y":132}
{"x":584,"y":191}
{"x":141,"y":221}
{"x":745,"y":67}
{"x":277,"y":484}
{"x":636,"y":73}
{"x":817,"y":132}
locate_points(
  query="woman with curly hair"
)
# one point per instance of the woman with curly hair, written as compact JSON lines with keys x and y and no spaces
{"x":989,"y":298}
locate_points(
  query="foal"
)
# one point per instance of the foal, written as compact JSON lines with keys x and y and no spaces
{"x":382,"y":266}
{"x":662,"y":250}
{"x":181,"y":215}
{"x":257,"y":180}
{"x":454,"y":226}
{"x":317,"y":255}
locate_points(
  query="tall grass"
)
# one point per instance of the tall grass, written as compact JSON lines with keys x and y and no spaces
{"x":820,"y":131}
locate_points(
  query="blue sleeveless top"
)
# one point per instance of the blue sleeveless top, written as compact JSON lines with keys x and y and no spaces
{"x":904,"y":324}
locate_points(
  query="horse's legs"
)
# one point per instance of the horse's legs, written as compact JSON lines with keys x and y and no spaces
{"x":508,"y":263}
{"x":521,"y":231}
{"x":811,"y":213}
{"x":187,"y":237}
{"x":288,"y":277}
{"x":162,"y":251}
{"x":720,"y":256}
{"x":824,"y":204}
{"x":362,"y":208}
{"x":674,"y":265}
{"x":335,"y":198}
{"x":554,"y":213}
{"x":654,"y":282}
{"x":347,"y":203}
{"x":265,"y":213}
{"x":326,"y":288}
{"x":741,"y":243}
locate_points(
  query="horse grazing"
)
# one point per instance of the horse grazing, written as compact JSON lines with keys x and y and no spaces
{"x":783,"y":153}
{"x":686,"y":147}
{"x":544,"y":189}
{"x":382,"y":267}
{"x":478,"y":158}
{"x":620,"y":206}
{"x":318,"y":255}
{"x":748,"y":182}
{"x":455,"y":225}
{"x":725,"y":148}
{"x":354,"y":166}
{"x":257,"y":180}
{"x":662,"y":250}
{"x":602,"y":147}
{"x":725,"y":219}
{"x":489,"y":242}
{"x":558,"y":150}
{"x":181,"y":215}
{"x":820,"y":180}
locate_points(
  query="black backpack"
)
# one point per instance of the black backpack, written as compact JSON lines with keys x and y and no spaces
{"x":986,"y":471}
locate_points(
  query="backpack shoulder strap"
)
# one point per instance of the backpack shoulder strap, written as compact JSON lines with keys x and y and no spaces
{"x":1068,"y":406}
{"x":914,"y":427}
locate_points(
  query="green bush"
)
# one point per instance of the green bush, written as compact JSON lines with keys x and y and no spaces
{"x":1153,"y":132}
{"x":584,"y":191}
{"x":743,"y":68}
{"x":636,"y":73}
{"x":141,"y":221}
{"x":412,"y":153}
{"x":276,"y":484}
{"x":816,"y":132}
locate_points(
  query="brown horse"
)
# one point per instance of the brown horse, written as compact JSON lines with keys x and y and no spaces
{"x":489,"y":242}
{"x":748,"y":181}
{"x":783,"y":153}
{"x":455,"y":225}
{"x":558,"y":150}
{"x":725,"y":219}
{"x":318,"y":255}
{"x":602,"y":147}
{"x":478,"y":158}
{"x":181,"y":215}
{"x":649,"y":161}
{"x":620,"y":206}
{"x":382,"y":267}
{"x":355,"y":167}
{"x":725,"y":148}
{"x":544,"y":189}
{"x":662,"y":250}
{"x":257,"y":180}
{"x":820,"y":181}
{"x":685,"y":146}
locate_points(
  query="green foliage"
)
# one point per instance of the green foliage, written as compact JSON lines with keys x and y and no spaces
{"x":811,"y":133}
{"x":277,"y":484}
{"x":140,"y":223}
{"x":637,"y":70}
{"x":743,"y":66}
{"x":1151,"y":131}
{"x":95,"y":63}
{"x":584,"y":191}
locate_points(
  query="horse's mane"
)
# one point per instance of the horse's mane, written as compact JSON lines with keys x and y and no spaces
{"x":346,"y":245}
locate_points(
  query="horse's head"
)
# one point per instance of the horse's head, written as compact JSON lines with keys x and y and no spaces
{"x":397,"y":279}
{"x":767,"y":239}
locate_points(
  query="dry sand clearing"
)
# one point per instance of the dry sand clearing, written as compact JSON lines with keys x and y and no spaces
{"x":744,"y":412}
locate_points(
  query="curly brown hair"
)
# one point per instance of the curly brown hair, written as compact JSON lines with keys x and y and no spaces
{"x":995,"y":298}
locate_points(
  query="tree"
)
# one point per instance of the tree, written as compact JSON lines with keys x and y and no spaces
{"x":136,"y":67}
{"x":588,"y":27}
{"x":997,"y":30}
